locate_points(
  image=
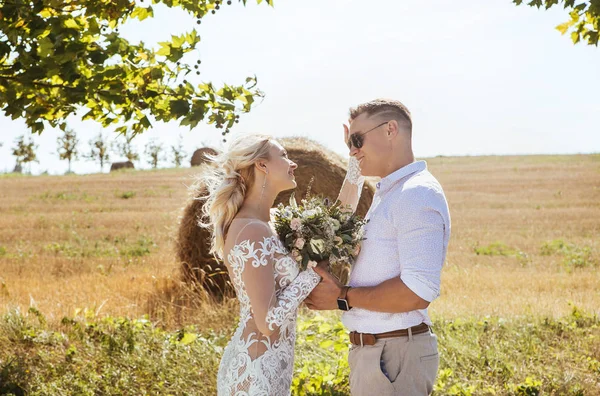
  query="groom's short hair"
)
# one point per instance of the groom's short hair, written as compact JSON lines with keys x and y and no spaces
{"x":382,"y":108}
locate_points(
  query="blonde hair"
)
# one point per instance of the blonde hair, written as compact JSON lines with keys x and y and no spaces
{"x":227,"y":182}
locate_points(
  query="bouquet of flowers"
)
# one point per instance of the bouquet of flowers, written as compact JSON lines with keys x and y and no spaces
{"x":317,"y":229}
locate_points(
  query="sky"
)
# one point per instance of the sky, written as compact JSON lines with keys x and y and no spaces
{"x":480,"y":77}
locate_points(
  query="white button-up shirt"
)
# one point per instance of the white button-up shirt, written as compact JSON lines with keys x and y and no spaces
{"x":407,"y":236}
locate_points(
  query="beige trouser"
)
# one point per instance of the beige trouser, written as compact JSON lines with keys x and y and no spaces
{"x":411,"y":364}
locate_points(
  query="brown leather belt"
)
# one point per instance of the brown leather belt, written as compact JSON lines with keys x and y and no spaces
{"x":370,"y":339}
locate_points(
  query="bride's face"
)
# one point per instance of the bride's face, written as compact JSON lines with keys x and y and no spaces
{"x":280,"y":168}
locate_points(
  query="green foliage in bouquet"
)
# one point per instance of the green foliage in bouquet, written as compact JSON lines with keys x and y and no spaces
{"x":317,"y":229}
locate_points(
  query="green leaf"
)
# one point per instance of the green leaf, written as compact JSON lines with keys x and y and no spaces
{"x":179,"y":107}
{"x":177,"y":41}
{"x":142,"y":13}
{"x":305,"y":260}
{"x":192,"y":38}
{"x":175,"y":55}
{"x":145,"y":122}
{"x":563,"y":27}
{"x":37,"y":127}
{"x":188,"y":338}
{"x":45,"y":47}
{"x":293,"y":202}
{"x":70,"y":23}
{"x":326,"y":344}
{"x":165,"y":49}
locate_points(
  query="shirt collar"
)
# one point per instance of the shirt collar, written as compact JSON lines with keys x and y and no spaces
{"x":387,"y":182}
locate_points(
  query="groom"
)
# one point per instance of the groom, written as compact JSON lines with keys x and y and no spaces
{"x":397,"y":273}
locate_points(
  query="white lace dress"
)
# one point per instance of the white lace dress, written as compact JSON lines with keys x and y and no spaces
{"x":259,"y":359}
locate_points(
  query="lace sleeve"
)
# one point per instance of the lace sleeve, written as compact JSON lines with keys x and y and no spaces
{"x":271,"y":310}
{"x":352,"y":186}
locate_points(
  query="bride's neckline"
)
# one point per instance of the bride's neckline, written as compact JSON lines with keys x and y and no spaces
{"x":249,"y":218}
{"x":274,"y":235}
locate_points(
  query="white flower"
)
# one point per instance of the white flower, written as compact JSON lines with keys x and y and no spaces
{"x":309,"y":213}
{"x":295,"y":224}
{"x":317,"y":245}
{"x":299,"y":243}
{"x":329,"y":231}
{"x":335,"y":224}
{"x":286,"y":213}
{"x":311,"y":264}
{"x":358,"y":234}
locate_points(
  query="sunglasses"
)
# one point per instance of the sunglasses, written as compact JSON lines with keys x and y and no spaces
{"x":357,"y":139}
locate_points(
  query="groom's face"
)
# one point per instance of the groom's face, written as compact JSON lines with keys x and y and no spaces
{"x":369,"y":156}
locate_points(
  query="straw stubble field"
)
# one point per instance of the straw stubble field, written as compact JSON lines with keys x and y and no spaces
{"x":91,"y":300}
{"x":524,"y":240}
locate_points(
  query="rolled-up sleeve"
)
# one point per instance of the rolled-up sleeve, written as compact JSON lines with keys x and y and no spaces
{"x":423,"y":227}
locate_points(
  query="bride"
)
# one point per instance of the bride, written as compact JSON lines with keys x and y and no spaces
{"x":259,"y":359}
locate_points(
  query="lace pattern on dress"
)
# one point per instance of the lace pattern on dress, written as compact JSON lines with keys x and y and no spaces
{"x":252,"y":363}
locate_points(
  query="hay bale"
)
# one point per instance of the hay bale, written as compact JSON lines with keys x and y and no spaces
{"x":121,"y":165}
{"x":193,"y":246}
{"x":313,"y":159}
{"x":199,"y":156}
{"x":328,"y":169}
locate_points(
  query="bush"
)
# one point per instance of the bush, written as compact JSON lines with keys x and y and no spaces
{"x":574,"y":256}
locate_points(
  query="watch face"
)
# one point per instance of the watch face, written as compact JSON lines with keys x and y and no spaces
{"x":343,"y":304}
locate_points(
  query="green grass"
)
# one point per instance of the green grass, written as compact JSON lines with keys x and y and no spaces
{"x":494,"y":249}
{"x":86,"y":355}
{"x":501,"y":249}
{"x":79,"y":247}
{"x":125,"y":194}
{"x":11,"y":175}
{"x":574,"y":256}
{"x":65,"y":196}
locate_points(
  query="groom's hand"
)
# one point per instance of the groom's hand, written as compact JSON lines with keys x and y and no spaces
{"x":324,"y":295}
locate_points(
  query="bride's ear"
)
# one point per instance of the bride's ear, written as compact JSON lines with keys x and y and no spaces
{"x":262,"y":167}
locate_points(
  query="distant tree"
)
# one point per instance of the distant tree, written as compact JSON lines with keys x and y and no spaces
{"x":99,"y":150}
{"x":584,"y":22}
{"x":125,"y":147}
{"x":24,"y":151}
{"x":178,"y":152}
{"x":153,"y":151}
{"x":67,"y":146}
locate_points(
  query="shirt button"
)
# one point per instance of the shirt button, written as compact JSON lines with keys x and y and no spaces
{"x":378,"y":185}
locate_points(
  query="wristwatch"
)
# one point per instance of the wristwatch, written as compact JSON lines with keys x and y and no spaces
{"x":342,"y":300}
